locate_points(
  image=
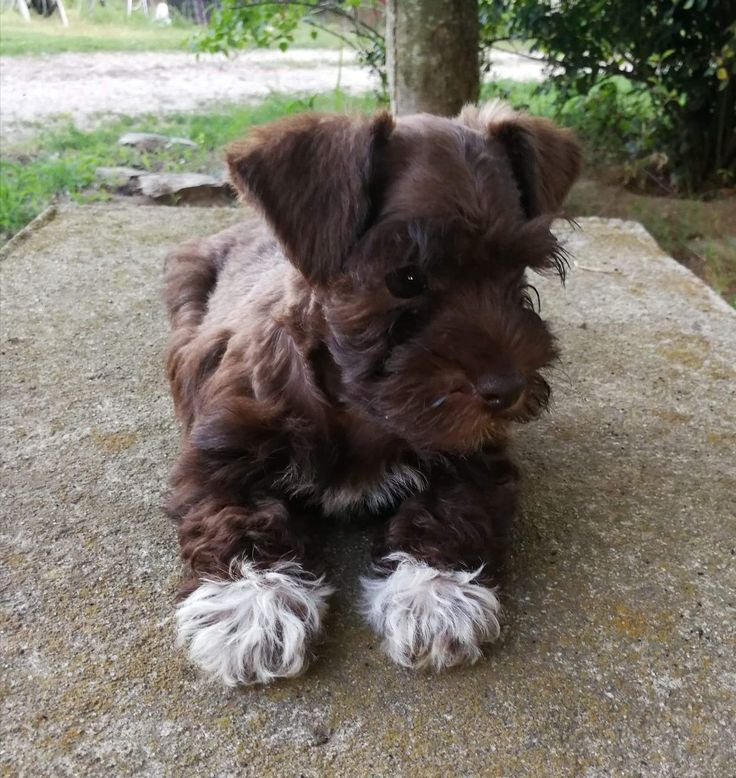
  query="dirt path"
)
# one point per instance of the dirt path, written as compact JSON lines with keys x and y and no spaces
{"x":87,"y":85}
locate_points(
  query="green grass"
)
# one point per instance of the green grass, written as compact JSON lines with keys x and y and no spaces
{"x":60,"y":160}
{"x":103,"y":29}
{"x":109,"y":29}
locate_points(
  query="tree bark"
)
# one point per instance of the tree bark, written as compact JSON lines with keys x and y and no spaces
{"x":432,"y":55}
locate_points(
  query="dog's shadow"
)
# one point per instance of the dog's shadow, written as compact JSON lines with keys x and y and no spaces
{"x":345,"y":546}
{"x":555,"y":561}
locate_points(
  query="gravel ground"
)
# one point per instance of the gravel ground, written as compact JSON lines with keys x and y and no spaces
{"x":87,"y":85}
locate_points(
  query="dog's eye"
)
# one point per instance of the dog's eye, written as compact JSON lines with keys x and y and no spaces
{"x":406,"y":282}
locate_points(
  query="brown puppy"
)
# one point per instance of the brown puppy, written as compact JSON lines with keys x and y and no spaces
{"x":363,"y":347}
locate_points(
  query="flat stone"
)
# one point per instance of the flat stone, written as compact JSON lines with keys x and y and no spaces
{"x":123,"y":180}
{"x":169,"y":188}
{"x":189,"y":188}
{"x":151,"y":141}
{"x":618,"y":650}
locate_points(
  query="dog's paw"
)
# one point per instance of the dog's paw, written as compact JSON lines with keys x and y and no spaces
{"x":255,"y":626}
{"x":430,"y":618}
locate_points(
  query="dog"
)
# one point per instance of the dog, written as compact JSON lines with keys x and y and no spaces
{"x":364,"y":346}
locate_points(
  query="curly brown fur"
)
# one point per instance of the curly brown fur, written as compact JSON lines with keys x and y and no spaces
{"x":365,"y":346}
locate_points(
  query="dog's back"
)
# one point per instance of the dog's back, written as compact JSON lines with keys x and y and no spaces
{"x":192,"y":271}
{"x":211,"y":286}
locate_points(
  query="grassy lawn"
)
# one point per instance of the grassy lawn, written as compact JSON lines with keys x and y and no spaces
{"x":109,"y":29}
{"x":104,"y":29}
{"x":60,"y":160}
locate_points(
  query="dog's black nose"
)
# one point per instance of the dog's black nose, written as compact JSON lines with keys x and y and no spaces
{"x":501,"y":390}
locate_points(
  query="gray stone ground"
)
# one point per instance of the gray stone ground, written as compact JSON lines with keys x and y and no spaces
{"x":617,"y":656}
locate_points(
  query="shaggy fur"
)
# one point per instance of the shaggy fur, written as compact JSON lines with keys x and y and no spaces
{"x":429,"y":617}
{"x":364,"y":346}
{"x":254,"y":626}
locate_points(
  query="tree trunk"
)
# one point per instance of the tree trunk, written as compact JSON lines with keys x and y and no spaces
{"x":199,"y":12}
{"x":432,"y":55}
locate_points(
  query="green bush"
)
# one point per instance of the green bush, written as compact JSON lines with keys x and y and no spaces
{"x":613,"y":119}
{"x":678,"y":55}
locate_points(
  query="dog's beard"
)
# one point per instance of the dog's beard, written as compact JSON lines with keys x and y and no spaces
{"x":533,"y":402}
{"x":427,"y":415}
{"x":422,"y":397}
{"x":450,"y":423}
{"x":457,"y":421}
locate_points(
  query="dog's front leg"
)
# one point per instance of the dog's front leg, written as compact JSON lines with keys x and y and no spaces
{"x":251,"y":606}
{"x":431,"y":595}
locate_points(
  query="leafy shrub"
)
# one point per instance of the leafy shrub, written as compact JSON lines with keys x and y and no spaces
{"x":680,"y":55}
{"x":613,"y":119}
{"x":235,"y":24}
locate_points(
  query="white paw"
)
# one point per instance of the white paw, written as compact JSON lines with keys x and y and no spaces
{"x":430,"y":618}
{"x":255,"y":626}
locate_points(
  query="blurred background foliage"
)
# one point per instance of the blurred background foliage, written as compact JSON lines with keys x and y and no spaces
{"x":673,"y":62}
{"x":656,"y":79}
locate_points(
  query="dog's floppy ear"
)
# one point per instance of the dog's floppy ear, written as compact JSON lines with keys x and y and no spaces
{"x":545,"y":159}
{"x":310,"y":175}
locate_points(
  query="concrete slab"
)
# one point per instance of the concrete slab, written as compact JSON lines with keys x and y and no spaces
{"x":618,"y":653}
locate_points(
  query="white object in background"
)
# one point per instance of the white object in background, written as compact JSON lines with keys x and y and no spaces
{"x":62,"y":12}
{"x":142,"y":5}
{"x":23,"y":10}
{"x":161,"y":14}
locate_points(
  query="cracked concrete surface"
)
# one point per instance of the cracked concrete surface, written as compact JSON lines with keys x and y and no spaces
{"x":618,"y":650}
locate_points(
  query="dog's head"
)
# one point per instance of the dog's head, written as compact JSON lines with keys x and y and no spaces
{"x":415,"y":234}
